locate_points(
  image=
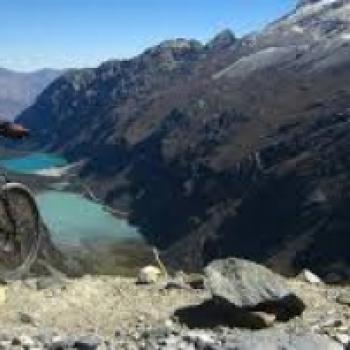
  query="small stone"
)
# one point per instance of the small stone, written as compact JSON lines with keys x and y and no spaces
{"x":195,"y":280}
{"x":267,"y":319}
{"x":49,"y":283}
{"x":58,"y":343}
{"x":87,"y":343}
{"x":342,"y":338}
{"x":171,"y":342}
{"x":15,"y":341}
{"x":30,"y":283}
{"x":159,"y":332}
{"x":169,"y":323}
{"x":118,"y":333}
{"x":251,"y":319}
{"x":332,"y":322}
{"x":57,"y":339}
{"x":344,"y":298}
{"x":196,"y":336}
{"x":310,"y":277}
{"x":26,"y":318}
{"x":175,"y":284}
{"x":141,"y":318}
{"x":23,"y":340}
{"x":149,"y":275}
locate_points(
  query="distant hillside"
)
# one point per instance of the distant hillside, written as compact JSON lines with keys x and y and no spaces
{"x":235,"y":147}
{"x":19,"y":90}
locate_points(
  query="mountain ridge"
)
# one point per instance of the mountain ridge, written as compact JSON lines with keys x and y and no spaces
{"x":18,"y":90}
{"x":197,"y":141}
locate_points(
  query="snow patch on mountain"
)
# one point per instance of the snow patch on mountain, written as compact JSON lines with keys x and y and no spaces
{"x":313,"y":3}
{"x":263,"y":59}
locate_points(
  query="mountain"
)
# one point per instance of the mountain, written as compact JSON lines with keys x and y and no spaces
{"x":19,"y":90}
{"x":235,"y":147}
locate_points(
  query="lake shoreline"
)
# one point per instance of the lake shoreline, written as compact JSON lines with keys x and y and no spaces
{"x":111,"y":254}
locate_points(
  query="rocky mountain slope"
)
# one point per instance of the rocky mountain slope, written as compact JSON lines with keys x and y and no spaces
{"x":19,"y":90}
{"x":236,"y":147}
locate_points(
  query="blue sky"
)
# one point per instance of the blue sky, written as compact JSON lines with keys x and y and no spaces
{"x":81,"y":33}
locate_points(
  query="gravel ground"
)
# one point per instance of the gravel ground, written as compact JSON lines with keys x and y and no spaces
{"x":116,"y":313}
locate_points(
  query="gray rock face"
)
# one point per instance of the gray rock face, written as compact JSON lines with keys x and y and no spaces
{"x":244,"y":283}
{"x":222,"y":40}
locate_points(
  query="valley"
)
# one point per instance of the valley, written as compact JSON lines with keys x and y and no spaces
{"x":222,"y":148}
{"x":193,"y":193}
{"x":83,"y":230}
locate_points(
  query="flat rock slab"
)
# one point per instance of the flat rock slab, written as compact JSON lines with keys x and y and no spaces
{"x":244,"y":283}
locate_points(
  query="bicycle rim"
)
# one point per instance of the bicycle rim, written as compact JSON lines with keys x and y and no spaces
{"x":19,"y":225}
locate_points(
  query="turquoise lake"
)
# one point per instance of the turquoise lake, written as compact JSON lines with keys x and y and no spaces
{"x":33,"y":163}
{"x":71,"y":218}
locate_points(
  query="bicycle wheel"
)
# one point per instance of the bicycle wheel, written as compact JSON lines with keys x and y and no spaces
{"x":19,"y":230}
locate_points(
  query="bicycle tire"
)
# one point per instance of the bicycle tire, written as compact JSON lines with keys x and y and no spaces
{"x":12,"y":195}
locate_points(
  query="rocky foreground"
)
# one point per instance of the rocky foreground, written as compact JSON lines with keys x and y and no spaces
{"x":176,"y":313}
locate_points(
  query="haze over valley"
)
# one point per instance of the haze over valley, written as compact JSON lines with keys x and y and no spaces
{"x":19,"y":90}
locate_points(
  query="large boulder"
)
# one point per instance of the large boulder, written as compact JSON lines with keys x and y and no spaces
{"x":251,"y":287}
{"x":244,"y":283}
